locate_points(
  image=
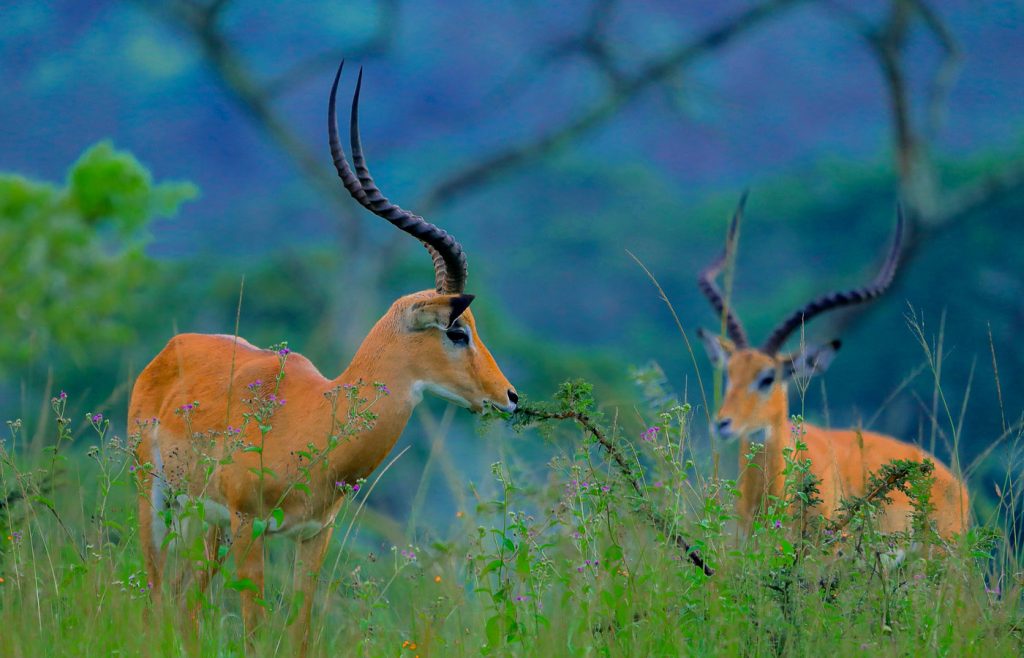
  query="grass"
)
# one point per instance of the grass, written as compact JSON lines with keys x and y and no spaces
{"x":581,"y":557}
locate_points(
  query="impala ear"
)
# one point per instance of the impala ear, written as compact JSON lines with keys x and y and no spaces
{"x":809,"y":361}
{"x":459,"y":304}
{"x":441,"y":311}
{"x":719,"y":349}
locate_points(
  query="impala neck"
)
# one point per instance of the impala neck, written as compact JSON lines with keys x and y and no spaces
{"x":765,"y":476}
{"x":381,"y":358}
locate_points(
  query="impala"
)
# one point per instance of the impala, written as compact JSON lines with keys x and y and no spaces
{"x":755,"y":406}
{"x":426,"y":342}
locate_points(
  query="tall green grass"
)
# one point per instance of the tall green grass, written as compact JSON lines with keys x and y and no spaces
{"x":557,"y":555}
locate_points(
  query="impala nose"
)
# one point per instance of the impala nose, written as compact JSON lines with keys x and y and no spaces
{"x":513,"y":399}
{"x":724,"y":427}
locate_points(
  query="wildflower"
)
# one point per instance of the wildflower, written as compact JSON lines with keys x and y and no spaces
{"x":605,"y":488}
{"x":777,"y":524}
{"x":62,"y":396}
{"x":96,"y":419}
{"x":521,"y":598}
{"x":383,"y":389}
{"x":460,"y":514}
{"x":1,"y":580}
{"x":284,"y":351}
{"x":355,"y":487}
{"x":650,"y":434}
{"x":437,"y":579}
{"x":256,"y":384}
{"x":659,"y":484}
{"x":16,"y":536}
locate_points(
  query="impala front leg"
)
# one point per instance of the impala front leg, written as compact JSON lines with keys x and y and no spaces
{"x":309,"y":558}
{"x":248,"y":553}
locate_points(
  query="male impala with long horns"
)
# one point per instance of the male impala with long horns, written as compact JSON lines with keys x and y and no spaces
{"x":755,"y":406}
{"x":427,"y":341}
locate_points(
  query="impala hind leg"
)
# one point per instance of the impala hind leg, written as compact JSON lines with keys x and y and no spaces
{"x":248,"y":554}
{"x":309,"y":559}
{"x":205,"y":573}
{"x":153,"y":555}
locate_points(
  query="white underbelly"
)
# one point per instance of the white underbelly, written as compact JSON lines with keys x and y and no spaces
{"x":215,"y":513}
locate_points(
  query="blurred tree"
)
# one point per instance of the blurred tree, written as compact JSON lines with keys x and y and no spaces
{"x":73,"y":261}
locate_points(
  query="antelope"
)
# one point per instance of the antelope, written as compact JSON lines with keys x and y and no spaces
{"x":426,"y":342}
{"x":755,"y":406}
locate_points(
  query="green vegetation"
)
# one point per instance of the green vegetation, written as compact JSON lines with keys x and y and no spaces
{"x":578,"y":556}
{"x":587,"y":537}
{"x":75,"y":271}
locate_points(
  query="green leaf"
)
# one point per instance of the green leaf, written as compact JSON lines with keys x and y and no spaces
{"x":491,"y":566}
{"x":241,"y":585}
{"x":259,"y":527}
{"x":278,"y":515}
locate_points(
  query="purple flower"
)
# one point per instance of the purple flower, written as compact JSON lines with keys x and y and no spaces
{"x":777,"y":524}
{"x":650,"y":434}
{"x":96,"y":419}
{"x":521,"y":598}
{"x":256,"y":384}
{"x":284,"y":351}
{"x":355,"y":487}
{"x":62,"y":396}
{"x":658,"y":484}
{"x":383,"y":389}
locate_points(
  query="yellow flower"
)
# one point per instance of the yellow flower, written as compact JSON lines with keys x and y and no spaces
{"x":459,"y":515}
{"x":437,"y":579}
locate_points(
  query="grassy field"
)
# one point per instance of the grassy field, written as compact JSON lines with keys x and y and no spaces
{"x":580,"y":556}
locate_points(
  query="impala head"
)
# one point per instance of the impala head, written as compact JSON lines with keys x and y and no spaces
{"x":429,"y":338}
{"x":756,"y":377}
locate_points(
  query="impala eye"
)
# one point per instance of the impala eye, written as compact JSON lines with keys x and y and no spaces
{"x":458,"y":335}
{"x":765,"y":381}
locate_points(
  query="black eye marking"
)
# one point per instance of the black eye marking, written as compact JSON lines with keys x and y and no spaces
{"x":765,"y":381}
{"x":458,"y":335}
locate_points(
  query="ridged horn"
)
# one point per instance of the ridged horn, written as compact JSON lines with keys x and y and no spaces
{"x":450,"y":269}
{"x":706,"y":281}
{"x":839,"y":299}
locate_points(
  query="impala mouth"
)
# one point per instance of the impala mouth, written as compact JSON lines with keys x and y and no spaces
{"x":760,"y":435}
{"x":509,"y":408}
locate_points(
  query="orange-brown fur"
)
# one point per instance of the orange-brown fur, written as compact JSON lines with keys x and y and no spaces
{"x":406,"y":346}
{"x":842,"y":459}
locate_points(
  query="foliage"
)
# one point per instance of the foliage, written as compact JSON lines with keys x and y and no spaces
{"x":74,"y":267}
{"x":562,"y":565}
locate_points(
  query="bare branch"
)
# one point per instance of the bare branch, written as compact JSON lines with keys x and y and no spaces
{"x":717,"y":37}
{"x":377,"y":44}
